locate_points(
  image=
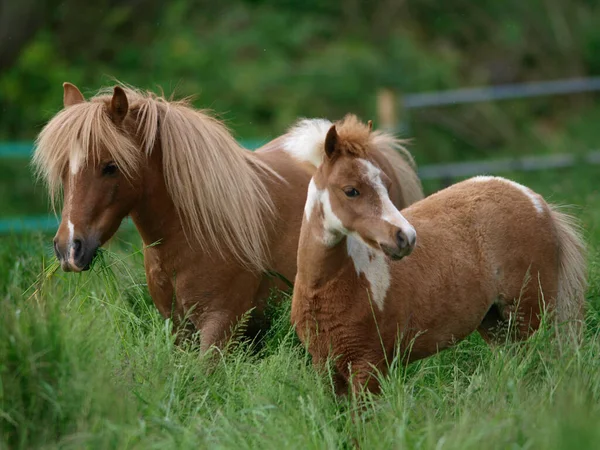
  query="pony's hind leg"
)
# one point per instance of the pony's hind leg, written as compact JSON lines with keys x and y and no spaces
{"x":514,"y":320}
{"x":493,"y":326}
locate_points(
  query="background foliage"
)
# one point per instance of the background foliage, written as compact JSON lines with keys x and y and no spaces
{"x":262,"y":63}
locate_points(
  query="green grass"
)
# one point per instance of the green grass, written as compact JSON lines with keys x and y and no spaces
{"x":87,"y":362}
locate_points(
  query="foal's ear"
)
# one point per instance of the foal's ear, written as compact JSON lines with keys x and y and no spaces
{"x":370,"y":125}
{"x":71,"y":95}
{"x":118,"y":105}
{"x":331,"y":141}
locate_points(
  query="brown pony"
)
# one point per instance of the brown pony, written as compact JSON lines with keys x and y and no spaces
{"x":483,"y":252}
{"x":223,"y":217}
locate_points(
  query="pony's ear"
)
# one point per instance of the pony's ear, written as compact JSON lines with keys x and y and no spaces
{"x":331,"y":141}
{"x":71,"y":95}
{"x":370,"y":125}
{"x":118,"y":105}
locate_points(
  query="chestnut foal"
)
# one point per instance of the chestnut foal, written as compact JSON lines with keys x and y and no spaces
{"x":489,"y":250}
{"x":223,"y":217}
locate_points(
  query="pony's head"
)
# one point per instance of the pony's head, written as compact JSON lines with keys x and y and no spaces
{"x":89,"y":151}
{"x":126,"y":151}
{"x":354,"y":193}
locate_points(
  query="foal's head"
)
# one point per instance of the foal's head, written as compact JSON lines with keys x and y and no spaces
{"x":355,"y":192}
{"x":89,"y":150}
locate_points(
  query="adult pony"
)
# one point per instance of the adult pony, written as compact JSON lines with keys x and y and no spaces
{"x":222,"y":217}
{"x":489,"y":251}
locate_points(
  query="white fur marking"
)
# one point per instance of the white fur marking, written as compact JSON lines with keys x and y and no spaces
{"x":535,"y":198}
{"x":312,"y":198}
{"x":71,"y":231}
{"x":332,"y":225}
{"x":389,"y":211}
{"x":75,"y":160}
{"x":373,"y":264}
{"x":305,"y":141}
{"x":70,"y":246}
{"x":334,"y":229}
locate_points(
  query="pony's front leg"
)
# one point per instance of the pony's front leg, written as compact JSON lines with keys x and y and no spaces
{"x":218,"y":314}
{"x":359,"y":373}
{"x":364,"y":377}
{"x":216,"y":328}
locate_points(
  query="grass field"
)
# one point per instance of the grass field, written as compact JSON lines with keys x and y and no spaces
{"x":87,"y":362}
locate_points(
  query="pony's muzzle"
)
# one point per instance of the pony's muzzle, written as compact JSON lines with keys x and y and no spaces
{"x":405,"y":242}
{"x":77,"y":255}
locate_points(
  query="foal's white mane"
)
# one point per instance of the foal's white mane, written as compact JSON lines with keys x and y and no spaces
{"x":305,"y":141}
{"x":306,"y":138}
{"x":215,"y":184}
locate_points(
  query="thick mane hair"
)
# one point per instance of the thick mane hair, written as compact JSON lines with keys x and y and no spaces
{"x":305,"y":141}
{"x":214,"y":183}
{"x":354,"y":137}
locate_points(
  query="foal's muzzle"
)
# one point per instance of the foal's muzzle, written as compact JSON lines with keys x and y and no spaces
{"x":77,"y":255}
{"x":404,"y":244}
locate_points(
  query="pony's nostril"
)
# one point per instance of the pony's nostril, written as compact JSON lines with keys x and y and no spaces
{"x":77,"y":247}
{"x":401,"y":240}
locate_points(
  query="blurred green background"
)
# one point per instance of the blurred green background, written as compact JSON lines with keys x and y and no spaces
{"x":260,"y":64}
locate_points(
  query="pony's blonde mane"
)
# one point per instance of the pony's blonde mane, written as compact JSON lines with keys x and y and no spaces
{"x":214,"y":183}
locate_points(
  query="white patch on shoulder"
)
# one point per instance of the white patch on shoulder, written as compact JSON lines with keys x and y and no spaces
{"x":305,"y":140}
{"x":537,"y":201}
{"x":389,"y":211}
{"x":373,"y":264}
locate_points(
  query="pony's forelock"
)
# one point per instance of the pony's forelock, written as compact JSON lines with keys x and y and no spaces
{"x":79,"y":132}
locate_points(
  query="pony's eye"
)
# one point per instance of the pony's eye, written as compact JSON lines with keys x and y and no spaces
{"x":109,"y":168}
{"x":351,"y":192}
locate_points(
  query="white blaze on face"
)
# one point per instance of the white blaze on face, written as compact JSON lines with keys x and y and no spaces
{"x":389,"y":212}
{"x":70,"y":243}
{"x":75,"y":163}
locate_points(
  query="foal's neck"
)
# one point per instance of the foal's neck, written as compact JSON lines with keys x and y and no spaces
{"x":319,"y":262}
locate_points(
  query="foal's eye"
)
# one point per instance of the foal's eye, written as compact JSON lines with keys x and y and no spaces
{"x":109,"y":168}
{"x":351,"y":192}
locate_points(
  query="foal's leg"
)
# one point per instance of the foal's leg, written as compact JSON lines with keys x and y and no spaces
{"x":493,"y":326}
{"x":516,"y":319}
{"x":359,"y":373}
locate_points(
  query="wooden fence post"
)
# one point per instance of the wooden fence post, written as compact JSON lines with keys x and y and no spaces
{"x":387,"y":105}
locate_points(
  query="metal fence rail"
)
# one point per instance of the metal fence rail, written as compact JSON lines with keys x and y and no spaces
{"x":503,"y":92}
{"x":522,"y":164}
{"x":429,"y":172}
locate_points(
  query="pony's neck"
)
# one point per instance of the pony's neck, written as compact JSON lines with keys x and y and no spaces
{"x":155,"y":215}
{"x":318,"y":261}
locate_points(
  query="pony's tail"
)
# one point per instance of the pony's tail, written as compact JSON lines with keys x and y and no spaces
{"x":572,"y":270}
